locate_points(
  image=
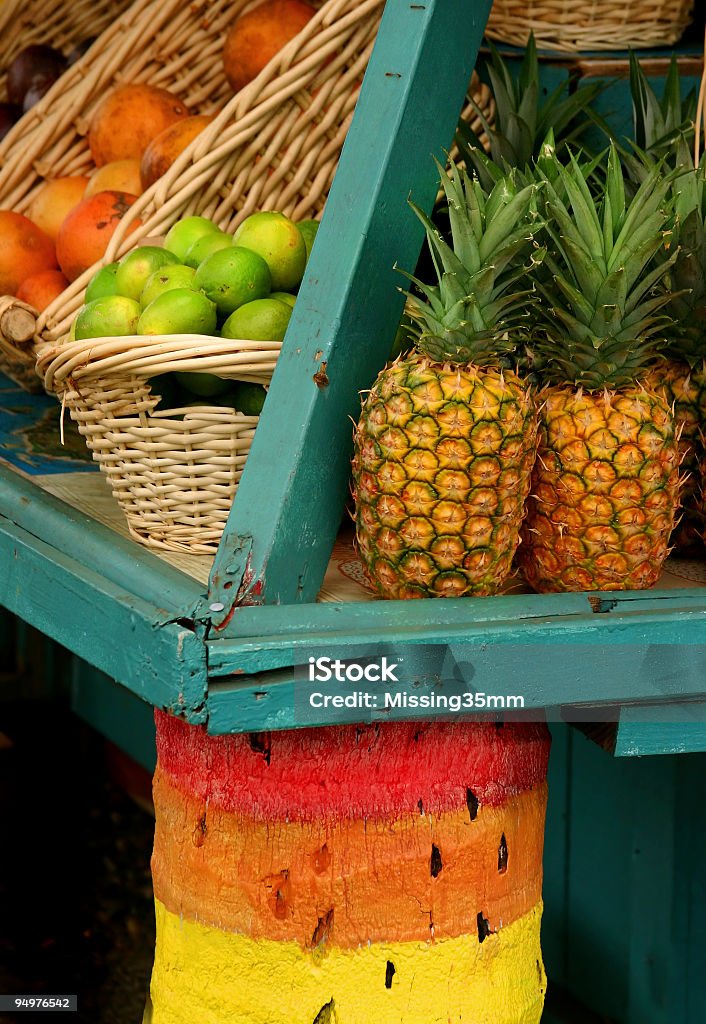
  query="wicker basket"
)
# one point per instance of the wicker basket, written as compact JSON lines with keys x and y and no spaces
{"x":62,"y":24}
{"x":274,"y":146}
{"x":292,"y":120}
{"x":568,"y":26}
{"x":173,"y":472}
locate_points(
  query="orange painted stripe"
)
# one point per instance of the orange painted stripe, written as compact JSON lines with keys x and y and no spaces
{"x":355,"y":771}
{"x":351,"y":881}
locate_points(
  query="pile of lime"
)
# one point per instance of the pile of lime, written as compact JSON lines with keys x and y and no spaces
{"x":204,"y":281}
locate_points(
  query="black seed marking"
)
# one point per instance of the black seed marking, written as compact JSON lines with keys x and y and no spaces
{"x":323,"y":929}
{"x":420,"y":805}
{"x":435,"y":864}
{"x":472,"y":804}
{"x":324,"y":1014}
{"x":260,"y":743}
{"x":389,"y":974}
{"x":483,"y":927}
{"x":502,"y":855}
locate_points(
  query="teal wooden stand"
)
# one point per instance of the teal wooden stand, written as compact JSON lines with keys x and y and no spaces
{"x":224,"y":655}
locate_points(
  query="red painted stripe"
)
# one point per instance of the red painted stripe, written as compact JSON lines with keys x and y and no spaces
{"x":354,"y":771}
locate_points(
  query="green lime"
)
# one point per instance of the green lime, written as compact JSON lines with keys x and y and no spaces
{"x":180,"y":311}
{"x":232,"y":277}
{"x":284,"y":297}
{"x":135,"y":268}
{"x":261,"y":320}
{"x":166,"y":280}
{"x":278,"y":240}
{"x":182,"y":235}
{"x":114,"y":316}
{"x":308,"y":229}
{"x":204,"y":246}
{"x":207,"y":385}
{"x":246,"y":398}
{"x":102,"y":283}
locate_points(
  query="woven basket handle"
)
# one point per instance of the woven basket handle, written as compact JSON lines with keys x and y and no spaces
{"x":18,"y":325}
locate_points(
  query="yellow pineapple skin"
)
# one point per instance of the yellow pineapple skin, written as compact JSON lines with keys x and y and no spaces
{"x":684,"y":390}
{"x":605,"y":491}
{"x":443,"y":456}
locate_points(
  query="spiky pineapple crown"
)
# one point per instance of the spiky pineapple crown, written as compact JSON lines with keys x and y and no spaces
{"x":523,"y":117}
{"x":475,"y":310}
{"x":604,"y":292}
{"x":664,"y":129}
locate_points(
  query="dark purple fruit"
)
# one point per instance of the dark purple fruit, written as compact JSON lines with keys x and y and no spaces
{"x":78,"y":51}
{"x":31,"y":65}
{"x":37,"y":89}
{"x":9,"y":114}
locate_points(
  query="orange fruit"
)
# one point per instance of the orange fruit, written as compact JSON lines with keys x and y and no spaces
{"x":166,"y":147}
{"x":85,"y":233}
{"x":39,"y":289}
{"x":53,"y":201}
{"x":259,"y":34}
{"x":128,"y":118}
{"x":117,"y":176}
{"x":24,"y":250}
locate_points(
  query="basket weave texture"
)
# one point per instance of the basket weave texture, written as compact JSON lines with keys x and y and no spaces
{"x":275,"y":145}
{"x":62,"y":24}
{"x":173,"y":472}
{"x":569,"y":27}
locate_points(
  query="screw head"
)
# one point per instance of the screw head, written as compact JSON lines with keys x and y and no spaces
{"x":216,"y":607}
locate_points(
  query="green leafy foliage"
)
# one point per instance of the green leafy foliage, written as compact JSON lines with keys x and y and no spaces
{"x":604,"y":289}
{"x":523,"y":119}
{"x":475,"y":311}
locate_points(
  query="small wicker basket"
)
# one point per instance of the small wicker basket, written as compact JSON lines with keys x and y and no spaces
{"x":275,"y":145}
{"x":569,"y":27}
{"x":174,"y":472}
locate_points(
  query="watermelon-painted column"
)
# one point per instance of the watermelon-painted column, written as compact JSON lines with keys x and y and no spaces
{"x":349,"y":875}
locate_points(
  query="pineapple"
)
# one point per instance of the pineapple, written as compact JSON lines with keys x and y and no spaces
{"x":605,"y":485}
{"x":665,"y":130}
{"x":446,"y":439}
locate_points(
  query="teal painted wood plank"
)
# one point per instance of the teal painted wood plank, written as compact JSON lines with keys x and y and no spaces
{"x":114,"y":712}
{"x":555,"y":938}
{"x":381,"y":617}
{"x":599,"y":869}
{"x":680,"y":729}
{"x":383,"y":623}
{"x":106,"y":625}
{"x":690,"y":889}
{"x":292,"y":493}
{"x":123,"y":562}
{"x":570,"y":678}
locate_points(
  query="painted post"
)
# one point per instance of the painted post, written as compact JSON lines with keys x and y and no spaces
{"x":349,"y":875}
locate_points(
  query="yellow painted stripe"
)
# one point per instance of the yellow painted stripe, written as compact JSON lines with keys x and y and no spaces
{"x":214,"y":977}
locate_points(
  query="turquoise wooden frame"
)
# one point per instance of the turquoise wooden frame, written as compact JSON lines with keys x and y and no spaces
{"x":225,"y":657}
